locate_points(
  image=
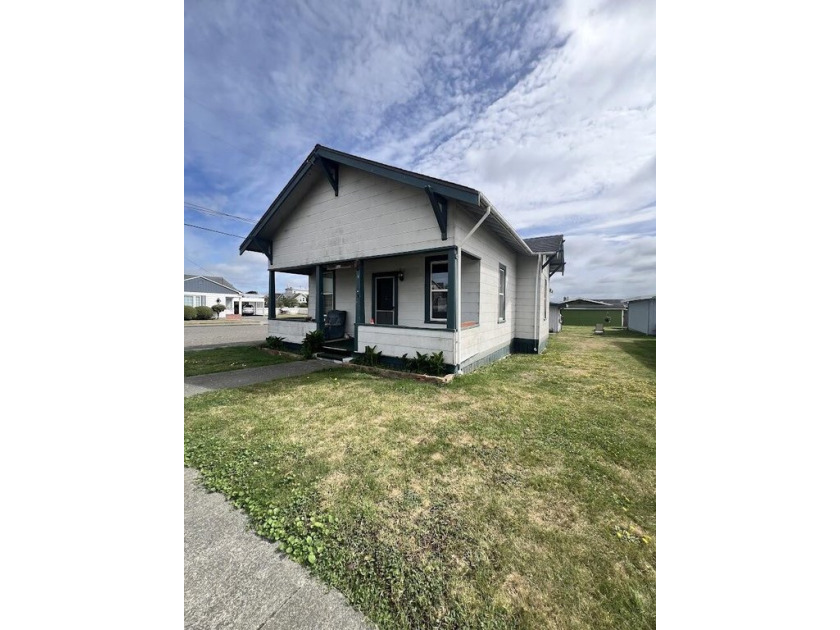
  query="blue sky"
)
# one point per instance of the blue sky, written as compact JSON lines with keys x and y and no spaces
{"x":549,"y":108}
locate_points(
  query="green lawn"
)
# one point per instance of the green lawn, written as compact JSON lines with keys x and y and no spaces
{"x":226,"y":359}
{"x":520,"y":496}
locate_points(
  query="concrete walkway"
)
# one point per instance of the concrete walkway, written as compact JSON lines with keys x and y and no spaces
{"x":234,"y":579}
{"x":222,"y":380}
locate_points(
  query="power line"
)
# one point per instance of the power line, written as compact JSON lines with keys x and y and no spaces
{"x":216,"y":231}
{"x":197,"y":265}
{"x":195,"y":206}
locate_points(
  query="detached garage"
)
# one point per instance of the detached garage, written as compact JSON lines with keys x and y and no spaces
{"x":641,"y":315}
{"x":588,"y":312}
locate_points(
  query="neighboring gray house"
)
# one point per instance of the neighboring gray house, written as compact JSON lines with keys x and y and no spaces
{"x":641,"y":314}
{"x":416,"y":264}
{"x":210,"y":290}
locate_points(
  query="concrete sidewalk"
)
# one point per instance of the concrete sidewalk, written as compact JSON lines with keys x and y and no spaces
{"x":222,"y":380}
{"x":234,"y":579}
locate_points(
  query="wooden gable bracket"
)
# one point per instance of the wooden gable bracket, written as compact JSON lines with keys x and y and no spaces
{"x":331,"y":171}
{"x":440,"y":207}
{"x":549,"y":259}
{"x":266,"y":247}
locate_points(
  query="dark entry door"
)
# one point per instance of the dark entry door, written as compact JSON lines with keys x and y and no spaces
{"x":385,"y":291}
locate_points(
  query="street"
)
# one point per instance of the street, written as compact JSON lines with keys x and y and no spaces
{"x":247,"y":331}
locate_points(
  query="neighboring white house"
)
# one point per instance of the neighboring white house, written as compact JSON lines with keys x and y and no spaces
{"x":641,"y":314}
{"x":417,"y":264}
{"x":301,"y":295}
{"x":210,"y":290}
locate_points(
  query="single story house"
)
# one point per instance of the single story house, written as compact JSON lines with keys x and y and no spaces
{"x":210,"y":290}
{"x":641,"y":314}
{"x":301,"y":295}
{"x":410,"y":262}
{"x":588,"y":312}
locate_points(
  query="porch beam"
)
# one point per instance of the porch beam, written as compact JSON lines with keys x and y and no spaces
{"x":440,"y":207}
{"x":330,"y":169}
{"x":319,"y":297}
{"x":272,"y":298}
{"x":452,"y":292}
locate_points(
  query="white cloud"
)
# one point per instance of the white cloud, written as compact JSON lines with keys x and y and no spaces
{"x":549,"y":109}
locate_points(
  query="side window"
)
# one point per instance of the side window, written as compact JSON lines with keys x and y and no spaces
{"x":502,"y":292}
{"x":437,"y":289}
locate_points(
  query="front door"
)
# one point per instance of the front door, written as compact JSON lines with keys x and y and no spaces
{"x":385,"y":299}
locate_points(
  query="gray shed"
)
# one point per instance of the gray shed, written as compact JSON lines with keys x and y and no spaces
{"x":641,"y":314}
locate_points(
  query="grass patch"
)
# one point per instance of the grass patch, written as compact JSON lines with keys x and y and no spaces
{"x":226,"y":359}
{"x":522,"y":495}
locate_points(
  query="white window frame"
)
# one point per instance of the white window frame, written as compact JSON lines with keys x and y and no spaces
{"x":502,"y":304}
{"x":432,"y":290}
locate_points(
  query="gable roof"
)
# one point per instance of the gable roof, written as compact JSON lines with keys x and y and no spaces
{"x":472,"y":201}
{"x":207,"y":284}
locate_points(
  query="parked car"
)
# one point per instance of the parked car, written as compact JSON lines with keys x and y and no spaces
{"x":247,"y":309}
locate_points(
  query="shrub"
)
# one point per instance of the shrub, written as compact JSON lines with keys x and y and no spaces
{"x":189,"y":313}
{"x":217,"y":309}
{"x":312,"y":343}
{"x":371,"y":357}
{"x":203,"y":312}
{"x":436,"y":365}
{"x":426,"y":364}
{"x":275,"y":343}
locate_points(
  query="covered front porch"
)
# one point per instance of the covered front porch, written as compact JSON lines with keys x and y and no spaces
{"x":401,"y":304}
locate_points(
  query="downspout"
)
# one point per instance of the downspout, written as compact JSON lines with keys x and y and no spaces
{"x":457,"y":357}
{"x":536,"y":303}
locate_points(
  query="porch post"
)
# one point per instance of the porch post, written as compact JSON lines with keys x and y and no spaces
{"x":360,"y":301}
{"x":272,"y":300}
{"x":452,"y":293}
{"x":319,"y":297}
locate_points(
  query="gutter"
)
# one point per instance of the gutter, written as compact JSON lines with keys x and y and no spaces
{"x":457,"y":349}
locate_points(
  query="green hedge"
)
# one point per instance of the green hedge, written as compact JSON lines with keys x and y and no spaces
{"x":203,"y":312}
{"x":189,"y":312}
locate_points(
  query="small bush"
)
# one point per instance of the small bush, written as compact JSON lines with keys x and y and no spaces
{"x":275,"y":343}
{"x":189,"y":313}
{"x":218,"y":309}
{"x":371,"y":357}
{"x":203,"y":312}
{"x":436,"y":365}
{"x":433,"y":365}
{"x":312,"y":343}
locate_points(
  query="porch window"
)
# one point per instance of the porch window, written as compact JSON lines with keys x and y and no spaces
{"x":502,"y":291}
{"x":437,"y":288}
{"x":194,"y":300}
{"x":328,"y":292}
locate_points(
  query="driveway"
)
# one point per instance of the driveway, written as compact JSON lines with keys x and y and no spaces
{"x":248,"y":331}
